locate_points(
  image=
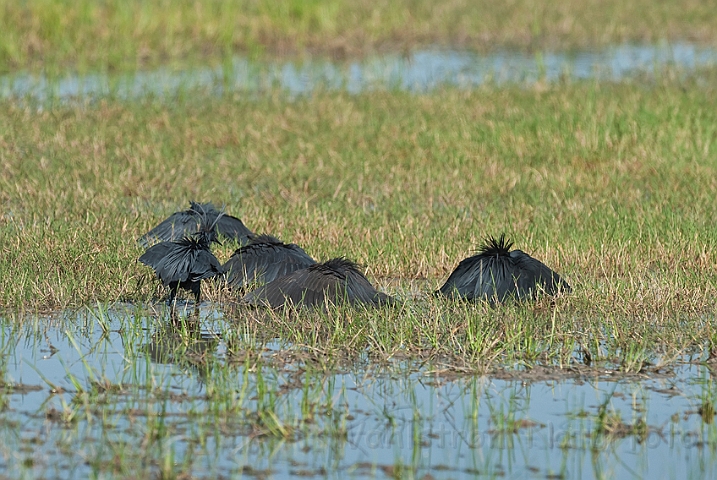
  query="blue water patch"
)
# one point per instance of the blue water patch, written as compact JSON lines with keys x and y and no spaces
{"x":420,"y":71}
{"x":87,"y":389}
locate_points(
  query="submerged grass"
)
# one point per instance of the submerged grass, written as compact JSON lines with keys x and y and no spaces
{"x":52,"y":35}
{"x":141,"y":399}
{"x":611,"y":185}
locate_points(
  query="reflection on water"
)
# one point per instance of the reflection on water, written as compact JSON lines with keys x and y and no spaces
{"x":417,"y":72}
{"x":138,"y":386}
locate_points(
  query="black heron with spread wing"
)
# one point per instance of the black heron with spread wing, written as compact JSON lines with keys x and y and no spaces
{"x":497,"y":273}
{"x":264,"y":259}
{"x":336,"y":281}
{"x":184,"y":263}
{"x":190,"y":221}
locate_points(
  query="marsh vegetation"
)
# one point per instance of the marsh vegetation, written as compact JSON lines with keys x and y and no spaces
{"x":611,"y":184}
{"x":120,"y":35}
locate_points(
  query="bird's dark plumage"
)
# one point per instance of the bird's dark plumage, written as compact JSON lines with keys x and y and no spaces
{"x":189,"y":221}
{"x":184,"y":263}
{"x":264,"y":259}
{"x":335,"y":281}
{"x":496,"y":273}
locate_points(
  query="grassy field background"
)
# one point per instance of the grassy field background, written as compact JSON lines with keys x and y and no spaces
{"x":612,"y":185}
{"x":56,"y":35}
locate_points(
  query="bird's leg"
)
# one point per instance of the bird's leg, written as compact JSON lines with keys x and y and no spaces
{"x":196,"y":289}
{"x":173,"y":287}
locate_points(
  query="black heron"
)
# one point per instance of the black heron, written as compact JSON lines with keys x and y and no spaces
{"x":184,"y":263}
{"x":497,"y":273}
{"x":264,"y":259}
{"x":189,"y":221}
{"x":336,"y":281}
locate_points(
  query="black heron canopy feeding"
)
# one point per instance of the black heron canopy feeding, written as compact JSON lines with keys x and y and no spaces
{"x":335,"y":281}
{"x":184,"y":263}
{"x":199,"y":216}
{"x":496,"y":273}
{"x":264,"y":259}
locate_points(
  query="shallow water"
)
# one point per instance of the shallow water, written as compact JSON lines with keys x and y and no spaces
{"x":418,"y":72}
{"x":144,"y":398}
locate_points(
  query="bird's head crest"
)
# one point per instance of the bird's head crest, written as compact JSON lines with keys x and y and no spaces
{"x":493,"y":246}
{"x":207,"y":220}
{"x":201,"y":208}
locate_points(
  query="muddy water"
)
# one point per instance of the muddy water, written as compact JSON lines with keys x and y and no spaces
{"x":144,"y":398}
{"x":419,"y":71}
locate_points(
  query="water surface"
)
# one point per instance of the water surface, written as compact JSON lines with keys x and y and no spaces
{"x":417,"y":72}
{"x":141,"y":393}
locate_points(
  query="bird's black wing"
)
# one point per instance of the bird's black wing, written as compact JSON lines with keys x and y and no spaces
{"x":188,"y":259}
{"x":204,"y":265}
{"x":300,"y":288}
{"x":459,"y":282}
{"x":309,"y":287}
{"x":335,"y":281}
{"x":536,"y":276}
{"x":204,"y":209}
{"x":481,"y":276}
{"x":498,"y":279}
{"x":173,"y":228}
{"x":155,"y":254}
{"x":264,"y":261}
{"x":359,"y":289}
{"x":176,"y":265}
{"x":286,"y":259}
{"x":233,"y":229}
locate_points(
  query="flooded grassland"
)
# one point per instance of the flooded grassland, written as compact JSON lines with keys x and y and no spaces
{"x":420,"y":71}
{"x":131,"y":35}
{"x":607,"y":177}
{"x":122,"y":392}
